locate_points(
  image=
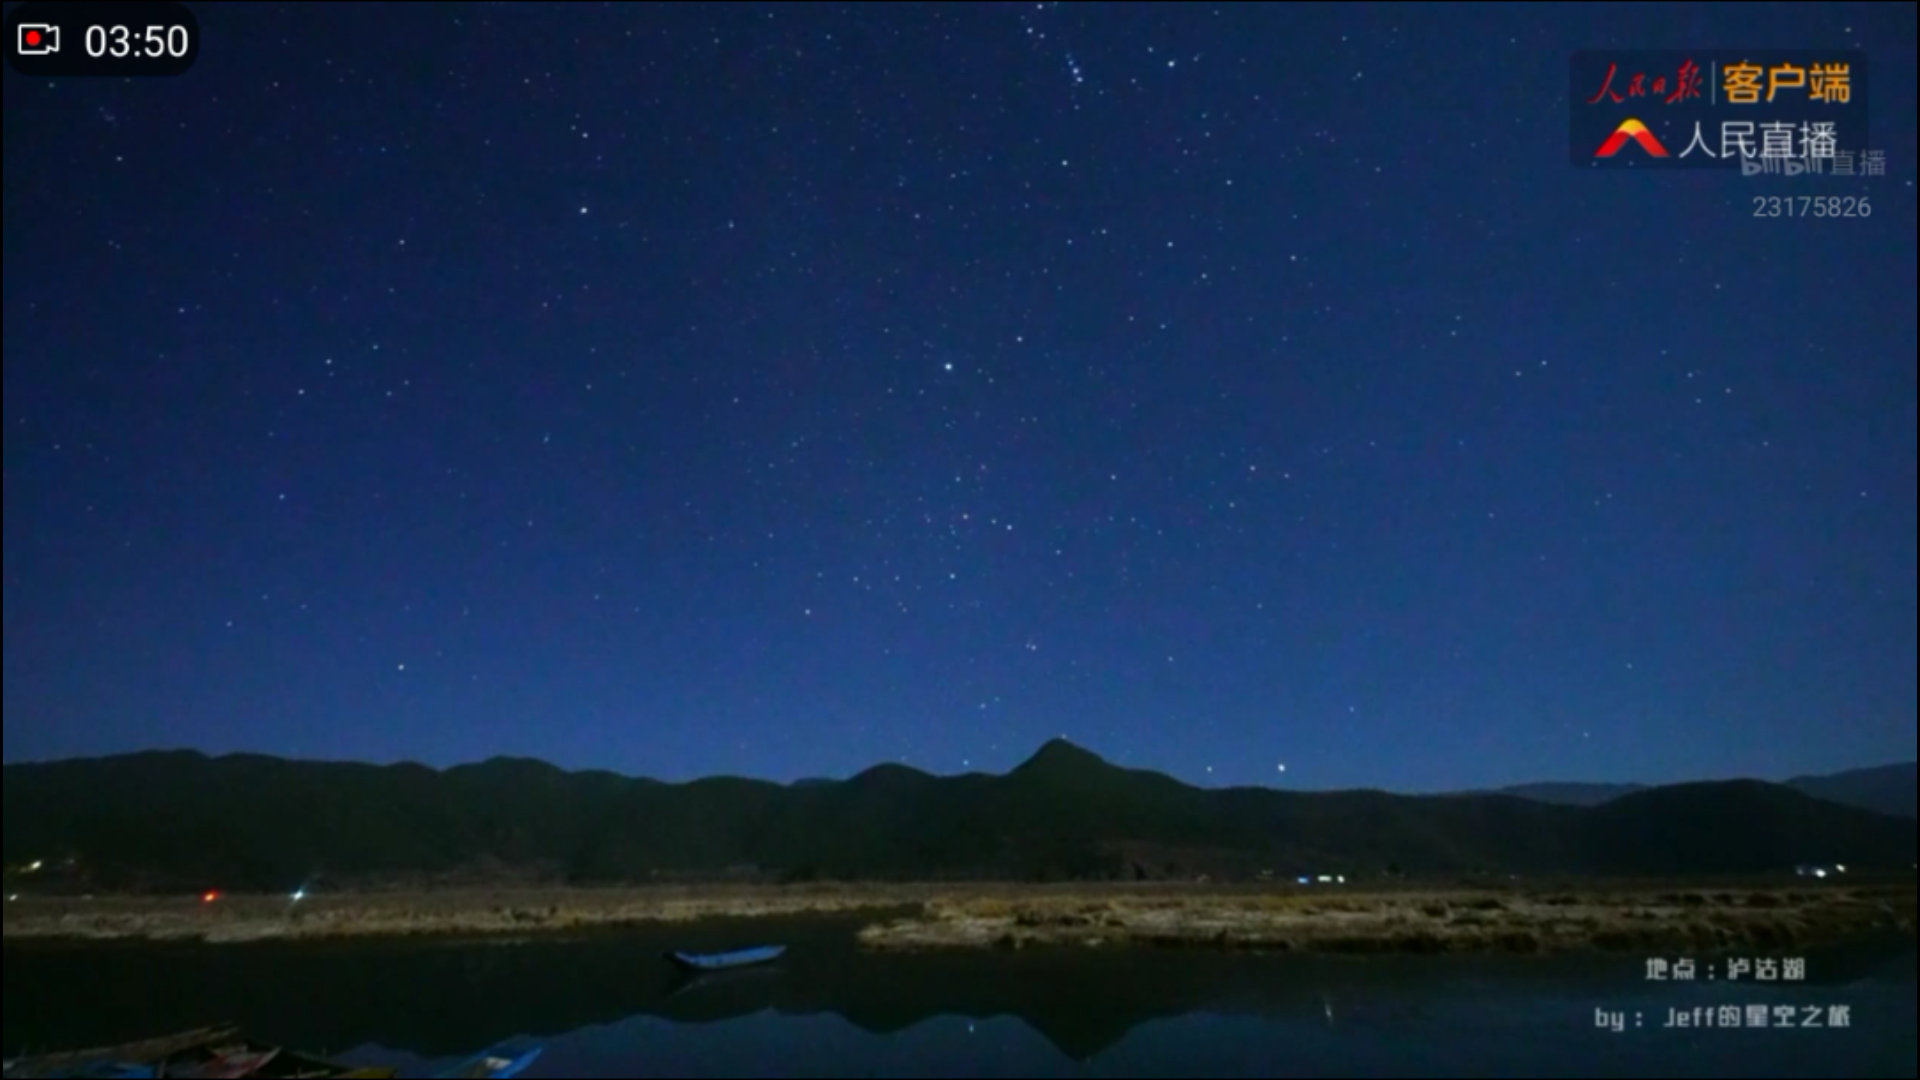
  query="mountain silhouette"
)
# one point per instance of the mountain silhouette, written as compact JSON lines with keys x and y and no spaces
{"x":1058,"y":758}
{"x":186,"y":822}
{"x":1888,"y":789}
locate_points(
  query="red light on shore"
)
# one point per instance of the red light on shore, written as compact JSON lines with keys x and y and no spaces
{"x":209,"y":897}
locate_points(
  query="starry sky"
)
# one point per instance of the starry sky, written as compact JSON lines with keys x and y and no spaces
{"x":779,"y":389}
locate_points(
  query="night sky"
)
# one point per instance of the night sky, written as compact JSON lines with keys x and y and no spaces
{"x":777,"y":390}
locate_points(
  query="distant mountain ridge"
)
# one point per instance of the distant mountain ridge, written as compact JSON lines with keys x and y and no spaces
{"x":173,"y":821}
{"x":1887,"y":789}
{"x":1567,"y":794}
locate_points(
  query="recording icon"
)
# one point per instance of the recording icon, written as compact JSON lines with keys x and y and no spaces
{"x":38,"y":39}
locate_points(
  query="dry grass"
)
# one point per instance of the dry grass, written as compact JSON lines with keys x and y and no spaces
{"x":1401,"y":918}
{"x":1405,"y":921}
{"x":467,"y":912}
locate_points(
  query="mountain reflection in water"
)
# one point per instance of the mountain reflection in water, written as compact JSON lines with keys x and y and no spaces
{"x":612,"y":1007}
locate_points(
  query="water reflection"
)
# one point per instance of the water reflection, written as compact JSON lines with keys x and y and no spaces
{"x":613,"y":1007}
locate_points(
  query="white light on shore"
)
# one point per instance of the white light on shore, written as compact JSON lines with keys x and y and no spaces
{"x":299,"y":895}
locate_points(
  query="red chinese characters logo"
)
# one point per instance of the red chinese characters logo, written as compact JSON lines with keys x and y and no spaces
{"x":1687,"y":83}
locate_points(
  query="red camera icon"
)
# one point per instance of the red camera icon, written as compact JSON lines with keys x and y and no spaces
{"x":37,"y":39}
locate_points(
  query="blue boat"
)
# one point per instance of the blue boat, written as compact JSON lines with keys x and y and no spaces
{"x":497,"y":1062}
{"x":722,"y":961}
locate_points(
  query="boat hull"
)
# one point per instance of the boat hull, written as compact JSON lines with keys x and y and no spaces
{"x":727,"y":961}
{"x":134,"y":1059}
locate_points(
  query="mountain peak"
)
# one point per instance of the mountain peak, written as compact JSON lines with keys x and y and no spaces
{"x":1059,"y":755}
{"x":889,"y":773}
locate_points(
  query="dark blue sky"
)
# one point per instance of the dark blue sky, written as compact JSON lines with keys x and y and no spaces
{"x":779,"y":389}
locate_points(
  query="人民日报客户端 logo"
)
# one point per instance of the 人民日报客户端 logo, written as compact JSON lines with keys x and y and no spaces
{"x":1791,"y":111}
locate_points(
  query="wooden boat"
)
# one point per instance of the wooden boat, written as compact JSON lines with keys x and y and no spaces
{"x":227,"y":1065}
{"x":496,"y":1062}
{"x":207,"y":1052}
{"x":290,"y":1063}
{"x":691,"y":980}
{"x":268,"y":1062}
{"x":723,"y":961}
{"x":134,"y":1059}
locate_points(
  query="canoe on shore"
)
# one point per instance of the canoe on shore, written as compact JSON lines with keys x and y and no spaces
{"x":141,"y":1058}
{"x":244,"y":1057}
{"x":228,"y":1065}
{"x":722,"y":961}
{"x":204,"y":1052}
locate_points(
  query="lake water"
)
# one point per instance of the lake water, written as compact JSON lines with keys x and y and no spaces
{"x":608,"y":1005}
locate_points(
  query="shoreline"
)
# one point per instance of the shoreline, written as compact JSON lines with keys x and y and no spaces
{"x":1437,"y":922}
{"x":1438,"y":918}
{"x":476,"y":912}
